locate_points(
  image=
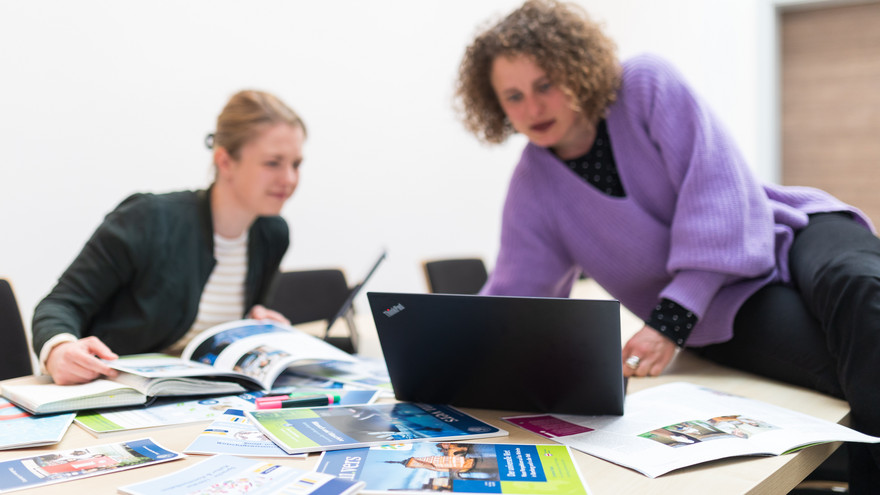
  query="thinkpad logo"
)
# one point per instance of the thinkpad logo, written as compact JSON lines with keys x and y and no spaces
{"x":393,"y":310}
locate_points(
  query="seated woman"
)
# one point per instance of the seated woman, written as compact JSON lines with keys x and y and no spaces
{"x":162,"y":267}
{"x":630,"y":179}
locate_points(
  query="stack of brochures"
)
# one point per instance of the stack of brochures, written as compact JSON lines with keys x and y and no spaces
{"x":365,"y":447}
{"x":224,"y":363}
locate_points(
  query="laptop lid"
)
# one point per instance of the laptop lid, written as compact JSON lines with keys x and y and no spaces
{"x":500,"y":352}
{"x":346,"y":305}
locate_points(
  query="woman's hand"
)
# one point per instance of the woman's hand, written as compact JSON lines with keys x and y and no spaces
{"x":75,"y":362}
{"x":260,"y":312}
{"x":653,"y":350}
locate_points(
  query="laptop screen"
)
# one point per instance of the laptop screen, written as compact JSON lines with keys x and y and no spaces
{"x":500,"y":352}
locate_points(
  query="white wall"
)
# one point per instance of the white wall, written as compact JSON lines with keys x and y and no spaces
{"x":100,"y":98}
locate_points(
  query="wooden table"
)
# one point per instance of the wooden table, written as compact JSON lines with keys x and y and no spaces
{"x":733,"y":476}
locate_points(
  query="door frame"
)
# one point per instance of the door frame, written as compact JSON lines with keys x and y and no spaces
{"x":769,"y":57}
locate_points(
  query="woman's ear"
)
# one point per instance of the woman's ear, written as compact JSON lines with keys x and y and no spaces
{"x":222,"y":161}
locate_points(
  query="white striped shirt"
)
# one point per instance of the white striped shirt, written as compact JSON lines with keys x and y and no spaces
{"x":223,"y":297}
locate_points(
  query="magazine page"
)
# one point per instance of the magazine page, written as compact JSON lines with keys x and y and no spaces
{"x":56,"y":467}
{"x":364,"y":372}
{"x":161,"y":374}
{"x":236,"y":475}
{"x":315,"y":429}
{"x":288,"y":379}
{"x":232,"y":433}
{"x":18,"y":428}
{"x":38,"y":395}
{"x":676,"y":425}
{"x":260,"y":349}
{"x":458,"y":468}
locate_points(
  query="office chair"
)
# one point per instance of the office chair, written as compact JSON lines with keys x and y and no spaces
{"x":315,"y":295}
{"x":16,"y":360}
{"x":455,"y":276}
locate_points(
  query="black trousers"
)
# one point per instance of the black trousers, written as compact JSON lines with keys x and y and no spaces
{"x":823,"y":332}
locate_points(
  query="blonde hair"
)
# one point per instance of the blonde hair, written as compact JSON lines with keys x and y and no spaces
{"x":564,"y":42}
{"x":245,"y":115}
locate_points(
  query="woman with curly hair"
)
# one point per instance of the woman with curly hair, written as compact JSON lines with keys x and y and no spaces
{"x":630,"y":179}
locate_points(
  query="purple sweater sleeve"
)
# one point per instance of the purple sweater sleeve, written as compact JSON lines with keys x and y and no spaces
{"x":530,"y":261}
{"x":722,"y":227}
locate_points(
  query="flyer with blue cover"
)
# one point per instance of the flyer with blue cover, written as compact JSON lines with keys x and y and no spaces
{"x":316,"y":429}
{"x":57,"y":466}
{"x":19,"y":428}
{"x":458,"y":468}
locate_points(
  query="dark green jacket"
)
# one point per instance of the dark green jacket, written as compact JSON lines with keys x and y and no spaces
{"x":137,"y":283}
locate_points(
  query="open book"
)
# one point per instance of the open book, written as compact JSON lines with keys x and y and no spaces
{"x":680,"y":424}
{"x":223,"y":360}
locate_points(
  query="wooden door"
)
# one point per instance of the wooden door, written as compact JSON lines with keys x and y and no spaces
{"x":830,"y":75}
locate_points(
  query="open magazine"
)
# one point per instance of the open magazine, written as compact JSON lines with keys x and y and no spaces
{"x":225,"y":359}
{"x":680,"y":424}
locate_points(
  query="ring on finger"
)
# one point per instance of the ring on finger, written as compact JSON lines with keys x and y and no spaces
{"x":632,"y":362}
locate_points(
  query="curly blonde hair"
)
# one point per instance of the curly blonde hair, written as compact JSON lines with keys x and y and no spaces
{"x":564,"y":42}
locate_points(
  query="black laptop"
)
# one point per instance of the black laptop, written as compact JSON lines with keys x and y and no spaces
{"x":509,"y":353}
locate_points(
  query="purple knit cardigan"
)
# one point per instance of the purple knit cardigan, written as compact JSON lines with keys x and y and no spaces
{"x":695,"y":227}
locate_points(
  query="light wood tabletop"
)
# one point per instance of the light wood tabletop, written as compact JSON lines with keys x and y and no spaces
{"x":752,"y":475}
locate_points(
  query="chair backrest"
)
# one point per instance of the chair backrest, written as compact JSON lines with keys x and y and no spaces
{"x":455,"y":276}
{"x":16,"y":358}
{"x":309,"y":295}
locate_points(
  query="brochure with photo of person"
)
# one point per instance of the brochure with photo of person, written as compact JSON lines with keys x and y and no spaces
{"x":676,"y":425}
{"x":59,"y":466}
{"x":229,"y":475}
{"x":223,"y":360}
{"x":458,"y":468}
{"x":315,"y":429}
